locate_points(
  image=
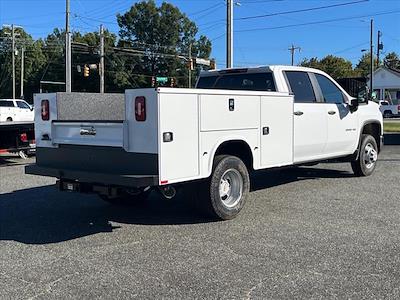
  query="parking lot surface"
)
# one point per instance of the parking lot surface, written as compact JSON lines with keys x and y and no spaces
{"x":309,"y":232}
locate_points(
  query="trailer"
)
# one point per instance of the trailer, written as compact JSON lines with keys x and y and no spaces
{"x":17,"y":137}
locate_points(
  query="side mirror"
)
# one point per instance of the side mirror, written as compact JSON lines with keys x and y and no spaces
{"x":353,"y":105}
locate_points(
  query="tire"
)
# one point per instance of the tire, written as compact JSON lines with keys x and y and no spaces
{"x":9,"y":119}
{"x":126,"y":199}
{"x":368,"y":155}
{"x":227,"y":189}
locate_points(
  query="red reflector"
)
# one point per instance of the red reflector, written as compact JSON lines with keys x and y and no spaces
{"x":164,"y":181}
{"x":140,"y":109}
{"x":45,"y":110}
{"x":23,"y":137}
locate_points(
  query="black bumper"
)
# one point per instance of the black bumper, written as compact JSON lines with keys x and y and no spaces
{"x":94,"y":178}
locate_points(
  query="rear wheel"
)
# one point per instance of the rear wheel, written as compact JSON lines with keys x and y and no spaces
{"x":9,"y":119}
{"x":127,"y":199}
{"x":366,"y":162}
{"x":227,"y":189}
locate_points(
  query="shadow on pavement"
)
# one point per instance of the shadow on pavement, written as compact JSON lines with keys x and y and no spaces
{"x":391,"y":138}
{"x":44,"y":215}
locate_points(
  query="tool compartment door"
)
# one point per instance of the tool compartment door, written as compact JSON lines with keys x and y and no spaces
{"x":178,"y":158}
{"x":276,"y":131}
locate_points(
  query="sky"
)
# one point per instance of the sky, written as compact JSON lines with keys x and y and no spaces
{"x":263,"y":29}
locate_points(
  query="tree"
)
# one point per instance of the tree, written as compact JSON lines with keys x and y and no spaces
{"x":337,"y":67}
{"x":363,"y":66}
{"x":162,"y":33}
{"x":392,"y":61}
{"x":34,"y":62}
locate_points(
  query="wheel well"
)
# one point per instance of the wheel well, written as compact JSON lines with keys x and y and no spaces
{"x":239,"y":149}
{"x":373,"y":129}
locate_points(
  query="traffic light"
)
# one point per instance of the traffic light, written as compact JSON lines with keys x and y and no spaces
{"x":153,"y":81}
{"x":86,"y":71}
{"x":172,"y":81}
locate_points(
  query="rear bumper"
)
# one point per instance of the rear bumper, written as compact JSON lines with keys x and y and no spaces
{"x":94,"y":178}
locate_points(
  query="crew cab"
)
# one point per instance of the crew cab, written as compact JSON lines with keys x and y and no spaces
{"x":15,"y":110}
{"x":210,"y":138}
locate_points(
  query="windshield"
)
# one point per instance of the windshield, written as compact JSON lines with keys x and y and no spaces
{"x":242,"y":81}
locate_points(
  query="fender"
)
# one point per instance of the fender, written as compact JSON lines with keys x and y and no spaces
{"x":234,"y":138}
{"x":365,"y":123}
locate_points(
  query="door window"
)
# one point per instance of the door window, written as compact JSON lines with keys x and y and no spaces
{"x":301,"y":86}
{"x":330,"y":92}
{"x":23,"y":105}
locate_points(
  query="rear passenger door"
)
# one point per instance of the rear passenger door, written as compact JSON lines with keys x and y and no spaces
{"x":310,"y":122}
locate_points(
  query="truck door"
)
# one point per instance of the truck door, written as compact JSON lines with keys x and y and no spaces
{"x":310,"y":120}
{"x":24,"y":111}
{"x":342,"y":124}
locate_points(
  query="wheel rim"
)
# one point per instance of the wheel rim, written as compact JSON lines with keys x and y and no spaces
{"x":370,"y":156}
{"x":231,"y":188}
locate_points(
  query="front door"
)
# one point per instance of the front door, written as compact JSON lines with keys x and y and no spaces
{"x":310,"y":122}
{"x":341,"y":122}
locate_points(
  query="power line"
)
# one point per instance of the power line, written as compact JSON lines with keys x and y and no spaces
{"x":301,"y":10}
{"x":320,"y":22}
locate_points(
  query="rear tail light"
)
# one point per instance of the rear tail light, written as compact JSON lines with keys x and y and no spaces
{"x":23,"y":137}
{"x":45,"y":110}
{"x":140,"y":109}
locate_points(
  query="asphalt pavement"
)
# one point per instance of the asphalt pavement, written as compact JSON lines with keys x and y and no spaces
{"x":309,"y":232}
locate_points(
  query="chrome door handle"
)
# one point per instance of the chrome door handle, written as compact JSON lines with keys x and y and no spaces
{"x":298,"y":113}
{"x":331,"y":112}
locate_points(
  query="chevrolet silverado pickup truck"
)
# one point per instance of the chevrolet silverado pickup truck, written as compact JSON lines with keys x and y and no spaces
{"x":234,"y":122}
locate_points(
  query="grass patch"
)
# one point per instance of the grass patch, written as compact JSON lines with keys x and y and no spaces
{"x":391,"y":126}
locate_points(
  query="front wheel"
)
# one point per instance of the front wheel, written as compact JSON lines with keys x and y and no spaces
{"x":366,"y":162}
{"x":228,"y":187}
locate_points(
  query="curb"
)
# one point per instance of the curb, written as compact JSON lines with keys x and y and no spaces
{"x":391,"y":138}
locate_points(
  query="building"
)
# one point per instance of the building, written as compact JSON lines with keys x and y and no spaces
{"x":386,"y":83}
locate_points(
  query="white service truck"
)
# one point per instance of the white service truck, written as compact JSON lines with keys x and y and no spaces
{"x":235,"y":121}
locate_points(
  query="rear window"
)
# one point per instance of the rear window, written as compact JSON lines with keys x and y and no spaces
{"x":6,"y":103}
{"x":243,"y":81}
{"x":301,"y":86}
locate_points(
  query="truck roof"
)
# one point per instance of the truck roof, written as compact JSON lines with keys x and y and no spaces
{"x":259,"y":69}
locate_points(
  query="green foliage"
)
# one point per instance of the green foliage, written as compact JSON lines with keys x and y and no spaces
{"x":337,"y":67}
{"x":392,"y":61}
{"x":363,"y":66}
{"x":166,"y":33}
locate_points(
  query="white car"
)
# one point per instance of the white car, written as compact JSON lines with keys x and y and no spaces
{"x":15,"y":110}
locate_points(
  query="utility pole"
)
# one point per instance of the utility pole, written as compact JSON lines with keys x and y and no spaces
{"x":101,"y":59}
{"x":190,"y":66}
{"x":229,"y":34}
{"x":371,"y":58}
{"x":13,"y":58}
{"x":378,"y":48}
{"x":22,"y":71}
{"x":292,"y":51}
{"x":68,"y":64}
{"x":12,"y":27}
